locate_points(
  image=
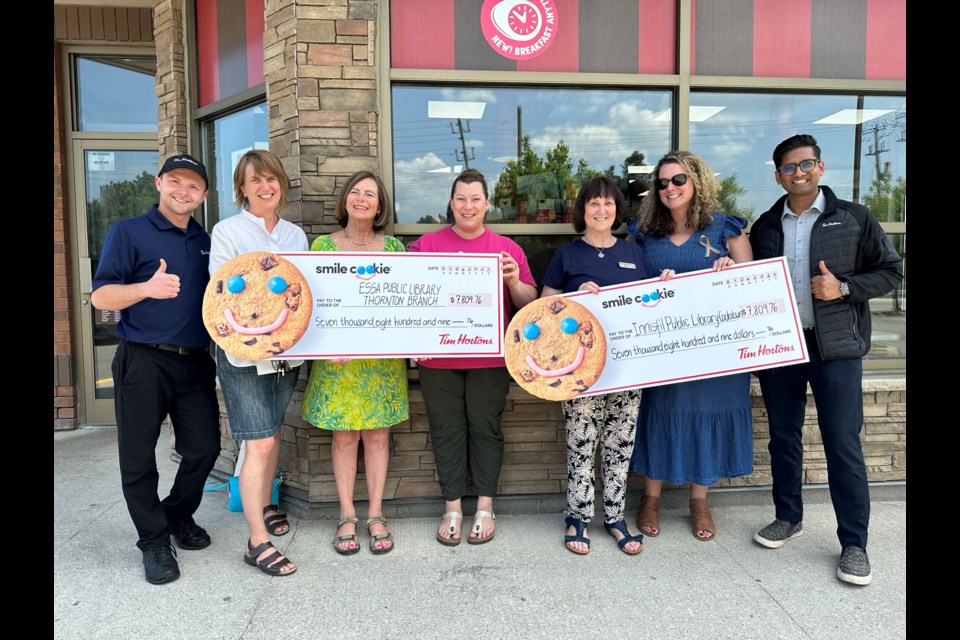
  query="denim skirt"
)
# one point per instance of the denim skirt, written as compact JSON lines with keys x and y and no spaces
{"x":255,"y":404}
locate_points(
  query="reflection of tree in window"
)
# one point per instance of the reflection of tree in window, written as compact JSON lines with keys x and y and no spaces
{"x":888,"y":202}
{"x":729,"y":190}
{"x":118,"y":201}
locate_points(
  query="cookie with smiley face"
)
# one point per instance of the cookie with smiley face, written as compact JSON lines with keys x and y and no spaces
{"x":256,"y":305}
{"x":555,"y":348}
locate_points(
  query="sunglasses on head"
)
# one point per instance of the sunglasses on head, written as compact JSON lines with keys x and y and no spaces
{"x":678,"y":181}
{"x":791,"y":167}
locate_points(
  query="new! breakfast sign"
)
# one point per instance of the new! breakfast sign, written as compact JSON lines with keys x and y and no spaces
{"x":519,"y":29}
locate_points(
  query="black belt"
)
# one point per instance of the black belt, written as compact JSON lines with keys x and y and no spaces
{"x":183,"y":351}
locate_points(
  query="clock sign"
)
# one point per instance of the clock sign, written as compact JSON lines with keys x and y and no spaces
{"x":519,"y":29}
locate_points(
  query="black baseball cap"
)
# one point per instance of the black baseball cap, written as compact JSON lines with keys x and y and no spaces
{"x":184,"y":161}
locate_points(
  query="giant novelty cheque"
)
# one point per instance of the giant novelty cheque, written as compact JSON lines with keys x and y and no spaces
{"x":303,"y":306}
{"x":701,"y":324}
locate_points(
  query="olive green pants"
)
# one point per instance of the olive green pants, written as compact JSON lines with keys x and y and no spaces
{"x":464,"y":407}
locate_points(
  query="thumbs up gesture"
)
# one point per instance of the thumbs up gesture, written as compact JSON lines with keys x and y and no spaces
{"x":825,"y":286}
{"x":163,"y":285}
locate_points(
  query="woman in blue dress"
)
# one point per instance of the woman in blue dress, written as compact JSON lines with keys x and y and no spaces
{"x":691,"y":432}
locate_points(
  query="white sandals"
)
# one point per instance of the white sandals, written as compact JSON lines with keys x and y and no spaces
{"x":451,"y":541}
{"x":478,"y":539}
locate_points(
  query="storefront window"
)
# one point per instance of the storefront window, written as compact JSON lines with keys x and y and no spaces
{"x":863,"y":144}
{"x":535,"y":146}
{"x":116,"y":93}
{"x":228,"y":138}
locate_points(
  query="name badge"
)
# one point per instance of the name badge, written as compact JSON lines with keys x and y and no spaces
{"x":627,"y":265}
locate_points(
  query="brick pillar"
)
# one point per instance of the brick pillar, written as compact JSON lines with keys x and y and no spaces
{"x":64,"y":382}
{"x":173,"y":122}
{"x":319,"y":68}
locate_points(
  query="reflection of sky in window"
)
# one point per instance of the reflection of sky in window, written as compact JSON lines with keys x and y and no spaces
{"x":234,"y":135}
{"x":741,"y":138}
{"x":114,"y":98}
{"x":602,"y":127}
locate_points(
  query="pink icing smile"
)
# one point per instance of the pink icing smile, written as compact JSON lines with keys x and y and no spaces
{"x":556,"y":372}
{"x":255,"y":331}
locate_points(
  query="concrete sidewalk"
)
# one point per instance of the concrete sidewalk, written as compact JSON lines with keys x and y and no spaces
{"x":523,"y":584}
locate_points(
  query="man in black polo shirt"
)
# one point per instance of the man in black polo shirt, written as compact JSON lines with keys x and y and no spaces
{"x":154,"y":271}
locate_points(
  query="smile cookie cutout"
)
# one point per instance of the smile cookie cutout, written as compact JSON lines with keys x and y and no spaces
{"x":256,"y":305}
{"x":555,"y":348}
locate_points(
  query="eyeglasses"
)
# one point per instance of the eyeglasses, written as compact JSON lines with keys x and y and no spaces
{"x":678,"y":181}
{"x":791,"y":167}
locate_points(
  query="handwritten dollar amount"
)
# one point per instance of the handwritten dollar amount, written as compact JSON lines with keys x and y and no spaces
{"x":758,"y":309}
{"x":469,"y":299}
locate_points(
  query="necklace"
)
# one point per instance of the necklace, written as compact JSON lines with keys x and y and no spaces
{"x":359,"y":244}
{"x":599,"y":249}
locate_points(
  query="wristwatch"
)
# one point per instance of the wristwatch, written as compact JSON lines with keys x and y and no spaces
{"x":845,"y":288}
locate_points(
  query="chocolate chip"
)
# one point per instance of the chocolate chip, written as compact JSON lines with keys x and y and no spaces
{"x":223,"y":330}
{"x":250,"y":342}
{"x":268,"y":262}
{"x":516,"y":335}
{"x":556,"y":306}
{"x":553,"y":358}
{"x":556,"y":383}
{"x":527,"y":376}
{"x":219,"y":286}
{"x":253,"y":315}
{"x":293,"y":297}
{"x":586,"y":334}
{"x":275,"y":344}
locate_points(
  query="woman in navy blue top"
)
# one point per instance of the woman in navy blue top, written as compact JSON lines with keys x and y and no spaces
{"x":598,"y":259}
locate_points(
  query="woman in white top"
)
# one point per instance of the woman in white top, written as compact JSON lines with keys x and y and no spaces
{"x":257,"y":393}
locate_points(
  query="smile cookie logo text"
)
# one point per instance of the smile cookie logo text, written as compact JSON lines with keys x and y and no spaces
{"x":519,"y":29}
{"x":362,"y":272}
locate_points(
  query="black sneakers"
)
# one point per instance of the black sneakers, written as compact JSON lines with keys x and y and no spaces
{"x":160,"y":564}
{"x":775,"y":534}
{"x":189,"y":535}
{"x":854,"y":566}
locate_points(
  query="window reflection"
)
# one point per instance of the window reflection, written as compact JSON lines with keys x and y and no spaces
{"x":232,"y":136}
{"x":116,"y":93}
{"x":535,"y":146}
{"x":863,"y":144}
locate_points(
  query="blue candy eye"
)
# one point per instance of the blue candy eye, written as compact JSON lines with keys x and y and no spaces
{"x":277,"y":284}
{"x":569,"y":325}
{"x":236,"y":284}
{"x":531,"y":331}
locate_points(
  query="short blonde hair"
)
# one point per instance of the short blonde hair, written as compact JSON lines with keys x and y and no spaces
{"x":264,"y":163}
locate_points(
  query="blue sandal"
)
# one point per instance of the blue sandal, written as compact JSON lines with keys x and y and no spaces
{"x":627,"y":537}
{"x":580,"y":527}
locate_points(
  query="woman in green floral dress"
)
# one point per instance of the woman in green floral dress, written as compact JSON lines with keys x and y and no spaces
{"x":359,"y":398}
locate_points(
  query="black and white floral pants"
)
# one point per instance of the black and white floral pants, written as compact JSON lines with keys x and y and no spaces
{"x":614,"y":417}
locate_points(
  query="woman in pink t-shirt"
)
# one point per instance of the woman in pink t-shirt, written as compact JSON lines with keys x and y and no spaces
{"x":465,"y":397}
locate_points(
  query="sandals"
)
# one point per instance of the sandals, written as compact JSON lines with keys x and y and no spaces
{"x":648,"y":516}
{"x":338,"y":540}
{"x":379,"y":537}
{"x":273,"y":564}
{"x":478,"y":539}
{"x":451,"y":541}
{"x":580,"y":526}
{"x":702,"y":520}
{"x":627,"y":538}
{"x":277,"y":520}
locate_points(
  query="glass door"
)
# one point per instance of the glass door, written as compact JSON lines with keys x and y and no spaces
{"x":117,"y":182}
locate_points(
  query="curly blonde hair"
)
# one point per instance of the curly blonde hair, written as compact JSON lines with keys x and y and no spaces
{"x":655,"y":217}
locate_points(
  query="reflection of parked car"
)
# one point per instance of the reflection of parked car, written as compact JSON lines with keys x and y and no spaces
{"x":104,"y":334}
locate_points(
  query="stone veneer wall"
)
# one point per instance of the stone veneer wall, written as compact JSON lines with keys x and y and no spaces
{"x":535,"y":449}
